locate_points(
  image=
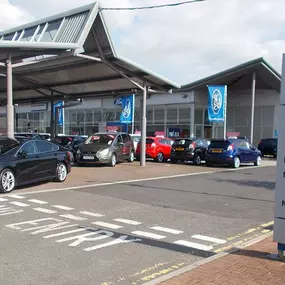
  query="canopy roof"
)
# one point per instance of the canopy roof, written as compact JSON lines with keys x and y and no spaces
{"x":70,"y":54}
{"x":240,"y":77}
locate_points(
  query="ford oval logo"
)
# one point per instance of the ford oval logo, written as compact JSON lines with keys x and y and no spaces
{"x":217,"y":101}
{"x":127,"y":109}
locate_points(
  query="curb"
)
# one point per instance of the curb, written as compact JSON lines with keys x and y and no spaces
{"x":207,"y":260}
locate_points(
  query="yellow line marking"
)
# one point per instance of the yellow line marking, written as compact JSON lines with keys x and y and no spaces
{"x":150,"y":268}
{"x":267,"y":224}
{"x":266,"y":231}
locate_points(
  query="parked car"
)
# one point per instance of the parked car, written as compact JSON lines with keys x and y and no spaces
{"x":157,"y":148}
{"x":135,"y":138}
{"x":71,"y":143}
{"x":189,"y":149}
{"x":268,"y":147}
{"x":232,"y":152}
{"x":27,"y":161}
{"x":106,"y":148}
{"x":36,"y":136}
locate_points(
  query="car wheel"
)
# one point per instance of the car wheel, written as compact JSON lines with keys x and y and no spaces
{"x":113,"y":160}
{"x":8,"y":181}
{"x":258,"y":161}
{"x":61,"y":172}
{"x":131,"y":157}
{"x":197,"y":159}
{"x":236,"y":163}
{"x":160,"y":157}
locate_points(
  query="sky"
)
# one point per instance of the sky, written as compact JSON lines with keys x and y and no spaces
{"x":183,"y":43}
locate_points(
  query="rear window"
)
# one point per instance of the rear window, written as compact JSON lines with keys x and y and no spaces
{"x":7,"y":144}
{"x":63,"y":141}
{"x":184,"y":142}
{"x":149,"y":141}
{"x":219,"y":144}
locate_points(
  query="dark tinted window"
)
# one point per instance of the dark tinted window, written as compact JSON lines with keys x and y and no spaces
{"x":149,"y":141}
{"x":125,"y":138}
{"x":184,"y":142}
{"x":63,"y":141}
{"x":29,"y":148}
{"x":105,"y":139}
{"x":220,"y":144}
{"x":46,"y":146}
{"x":7,"y":144}
{"x":242,"y":144}
{"x":119,"y":139}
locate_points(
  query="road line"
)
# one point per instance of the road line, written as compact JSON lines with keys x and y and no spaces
{"x":210,"y":239}
{"x":65,"y":233}
{"x":193,"y":245}
{"x":17,"y":196}
{"x":19,"y":204}
{"x":142,"y":180}
{"x":47,"y":211}
{"x":3,"y":200}
{"x":72,"y":217}
{"x":167,"y":230}
{"x":62,"y":207}
{"x":91,"y":214}
{"x":107,"y":225}
{"x":38,"y":201}
{"x":148,"y":235}
{"x":129,"y":222}
{"x":267,"y":224}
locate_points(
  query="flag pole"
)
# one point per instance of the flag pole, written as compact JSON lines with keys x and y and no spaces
{"x":225,"y":111}
{"x":133,"y":115}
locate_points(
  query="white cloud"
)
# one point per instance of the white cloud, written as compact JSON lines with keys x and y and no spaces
{"x":184,"y":43}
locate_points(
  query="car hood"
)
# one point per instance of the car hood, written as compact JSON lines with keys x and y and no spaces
{"x":93,"y":147}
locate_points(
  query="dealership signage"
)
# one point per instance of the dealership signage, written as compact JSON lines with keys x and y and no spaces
{"x":39,"y":107}
{"x":59,"y":113}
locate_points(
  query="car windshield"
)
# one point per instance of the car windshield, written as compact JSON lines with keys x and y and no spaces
{"x":106,"y":139}
{"x":7,"y":144}
{"x":136,"y":138}
{"x":184,"y":142}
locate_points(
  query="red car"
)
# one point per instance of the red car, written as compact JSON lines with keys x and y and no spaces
{"x":157,"y":148}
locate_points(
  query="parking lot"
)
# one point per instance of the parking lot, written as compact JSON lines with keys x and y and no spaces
{"x":130,"y":225}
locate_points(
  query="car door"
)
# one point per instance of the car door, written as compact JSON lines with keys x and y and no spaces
{"x":245,"y":152}
{"x":47,"y":158}
{"x":167,"y":146}
{"x":126,"y":148}
{"x":27,"y":164}
{"x":252,"y":153}
{"x":118,"y":147}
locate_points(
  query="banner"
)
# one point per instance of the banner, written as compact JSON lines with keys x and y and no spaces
{"x":217,"y":103}
{"x":128,"y":105}
{"x":59,"y":112}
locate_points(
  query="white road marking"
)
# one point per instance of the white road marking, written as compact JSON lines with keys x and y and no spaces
{"x":17,"y":196}
{"x":19,"y":204}
{"x":62,"y":207}
{"x":3,"y":200}
{"x":65,"y":233}
{"x":2,"y":206}
{"x":129,"y":222}
{"x":72,"y":217}
{"x":91,"y":214}
{"x":47,"y":211}
{"x":210,"y":239}
{"x":142,"y":179}
{"x":148,"y":235}
{"x":167,"y":230}
{"x":193,"y":245}
{"x":107,"y":225}
{"x":38,"y":201}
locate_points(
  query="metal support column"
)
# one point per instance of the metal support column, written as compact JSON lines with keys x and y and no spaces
{"x":252,"y":106}
{"x":10,"y":107}
{"x":192,"y":120}
{"x":52,"y":130}
{"x":143,"y":129}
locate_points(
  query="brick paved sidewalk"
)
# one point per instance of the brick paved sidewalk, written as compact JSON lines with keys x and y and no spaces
{"x":248,"y":266}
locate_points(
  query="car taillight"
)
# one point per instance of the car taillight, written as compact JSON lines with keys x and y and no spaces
{"x":68,"y":156}
{"x":153,"y":145}
{"x":230,"y":147}
{"x":192,"y":145}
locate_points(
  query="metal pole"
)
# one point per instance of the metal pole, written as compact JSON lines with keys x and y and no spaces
{"x":225,"y":112}
{"x":52,"y":115}
{"x":252,"y":106}
{"x":192,"y":120}
{"x":133,"y":115}
{"x":10,"y":107}
{"x":143,"y":129}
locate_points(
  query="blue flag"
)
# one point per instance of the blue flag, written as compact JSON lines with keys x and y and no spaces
{"x":217,"y":102}
{"x":60,"y":113}
{"x":128,"y":105}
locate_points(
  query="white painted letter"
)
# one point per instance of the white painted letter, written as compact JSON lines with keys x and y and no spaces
{"x":33,"y":223}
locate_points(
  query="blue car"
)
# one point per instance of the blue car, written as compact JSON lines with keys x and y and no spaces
{"x":232,"y":152}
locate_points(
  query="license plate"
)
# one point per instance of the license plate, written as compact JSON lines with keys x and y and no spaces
{"x":88,"y":157}
{"x":179,"y":148}
{"x":217,"y":150}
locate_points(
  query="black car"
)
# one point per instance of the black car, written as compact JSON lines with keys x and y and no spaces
{"x":27,"y":161}
{"x":189,"y":149}
{"x":106,"y":148}
{"x":71,"y":143}
{"x":268,"y":147}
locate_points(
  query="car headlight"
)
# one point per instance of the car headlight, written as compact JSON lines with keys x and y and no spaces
{"x":104,"y":152}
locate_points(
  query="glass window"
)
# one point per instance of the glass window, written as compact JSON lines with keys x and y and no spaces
{"x":9,"y":37}
{"x":158,"y":114}
{"x":29,"y":148}
{"x":119,"y":139}
{"x":46,"y":146}
{"x":39,"y":32}
{"x":7,"y":144}
{"x":103,"y":139}
{"x":18,"y":35}
{"x":28,"y":34}
{"x":51,"y":31}
{"x":172,"y":113}
{"x":184,"y":113}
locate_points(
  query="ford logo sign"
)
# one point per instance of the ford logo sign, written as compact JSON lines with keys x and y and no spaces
{"x":217,"y":101}
{"x":127,"y":109}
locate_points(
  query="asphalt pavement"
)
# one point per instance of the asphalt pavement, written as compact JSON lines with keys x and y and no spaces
{"x":130,"y":233}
